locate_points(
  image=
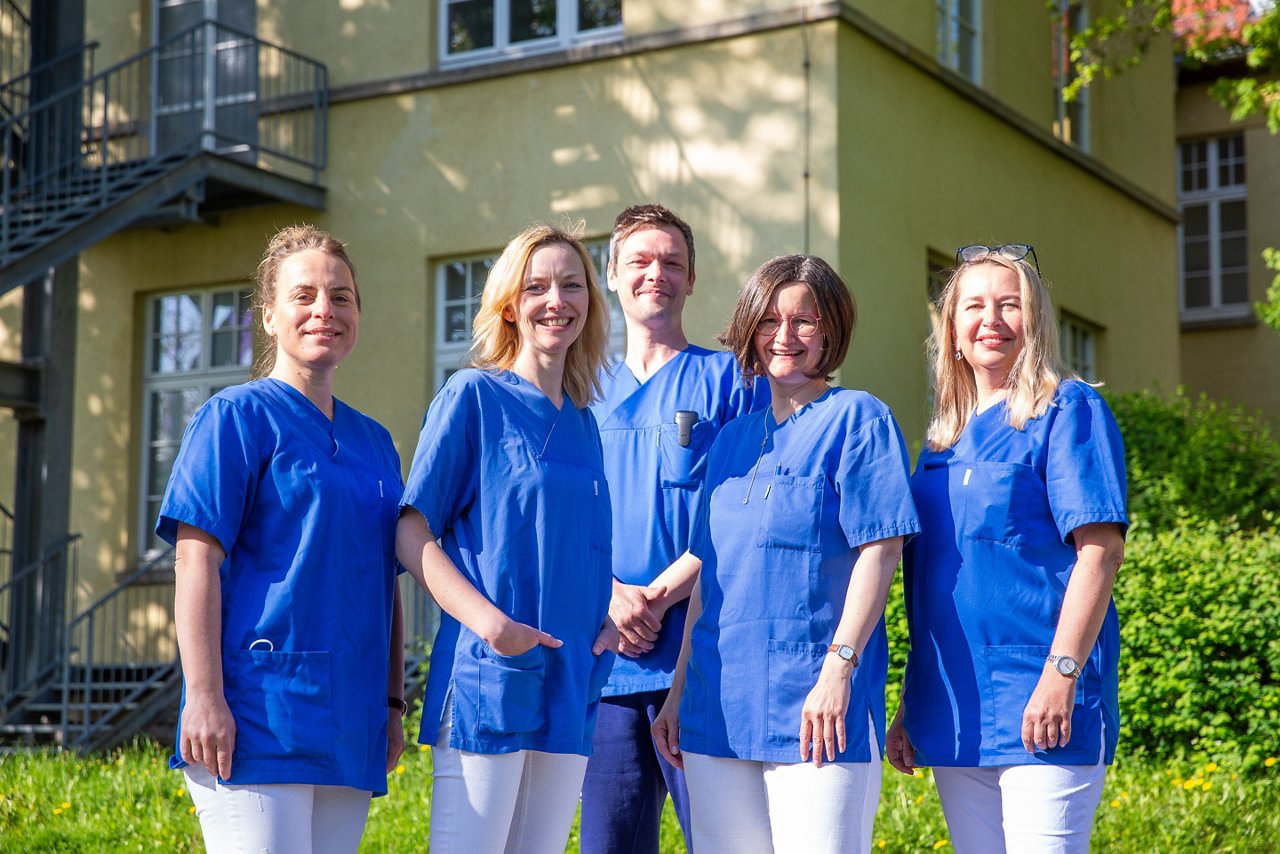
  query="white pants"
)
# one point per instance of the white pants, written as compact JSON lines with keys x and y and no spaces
{"x":513,"y":802}
{"x":277,"y":818}
{"x":745,"y":806}
{"x":1045,"y":809}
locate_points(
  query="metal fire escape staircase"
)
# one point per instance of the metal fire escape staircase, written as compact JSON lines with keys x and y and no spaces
{"x":208,"y":121}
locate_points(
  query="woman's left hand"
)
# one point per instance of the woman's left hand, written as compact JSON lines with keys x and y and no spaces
{"x":822,"y":718}
{"x":395,"y":738}
{"x":608,"y":638}
{"x":1046,"y":721}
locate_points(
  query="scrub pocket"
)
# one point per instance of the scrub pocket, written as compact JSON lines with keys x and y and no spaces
{"x":791,"y":512}
{"x":793,"y":671}
{"x":1001,"y":501}
{"x":511,"y":692}
{"x":601,"y":667}
{"x":282,"y":703}
{"x":1012,"y":673}
{"x":684,"y":468}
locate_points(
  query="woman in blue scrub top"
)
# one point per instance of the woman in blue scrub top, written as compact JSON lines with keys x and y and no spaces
{"x":506,"y":522}
{"x":282,"y":507}
{"x":776,"y":712}
{"x":1011,"y":681}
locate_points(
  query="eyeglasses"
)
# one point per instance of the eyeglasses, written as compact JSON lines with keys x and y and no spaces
{"x":1009,"y":251}
{"x":803,"y":325}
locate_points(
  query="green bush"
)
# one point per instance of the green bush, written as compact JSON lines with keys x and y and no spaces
{"x":1199,"y":604}
{"x":1196,"y":457}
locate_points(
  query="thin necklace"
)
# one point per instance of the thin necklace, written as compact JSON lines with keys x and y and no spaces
{"x":765,"y":420}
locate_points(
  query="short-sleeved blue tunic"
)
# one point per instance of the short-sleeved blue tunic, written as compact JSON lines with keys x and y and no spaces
{"x":305,"y":510}
{"x":515,"y":491}
{"x":986,"y":578}
{"x":655,"y":483}
{"x":781,"y":519}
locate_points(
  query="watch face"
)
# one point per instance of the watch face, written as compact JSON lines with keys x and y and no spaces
{"x":1067,"y":665}
{"x":845,"y":652}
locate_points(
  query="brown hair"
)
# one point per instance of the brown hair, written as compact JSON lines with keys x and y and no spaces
{"x":495,"y":340}
{"x":639,"y":217}
{"x":836,"y":307}
{"x":287,"y":242}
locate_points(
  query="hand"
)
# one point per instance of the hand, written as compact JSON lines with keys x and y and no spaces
{"x":637,"y":612}
{"x":897,"y":746}
{"x":1046,"y":721}
{"x":208,"y":733}
{"x":822,"y":717}
{"x":607,"y":640}
{"x":395,"y":738}
{"x":666,"y":729}
{"x":512,"y":638}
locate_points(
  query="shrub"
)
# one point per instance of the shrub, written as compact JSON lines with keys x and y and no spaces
{"x":1199,"y":604}
{"x":1196,"y":457}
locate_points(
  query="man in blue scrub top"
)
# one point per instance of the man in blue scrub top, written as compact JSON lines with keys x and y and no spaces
{"x":661,"y":408}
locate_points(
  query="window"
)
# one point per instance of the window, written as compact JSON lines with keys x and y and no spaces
{"x":1071,"y":118}
{"x":1078,"y":339}
{"x":958,"y":42}
{"x":198,"y":342}
{"x":1213,"y":243}
{"x":938,"y":269}
{"x":460,"y":284}
{"x":475,"y":31}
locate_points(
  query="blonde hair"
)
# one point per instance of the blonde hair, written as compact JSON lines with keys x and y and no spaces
{"x":287,"y":242}
{"x":495,"y":341}
{"x":1036,"y":373}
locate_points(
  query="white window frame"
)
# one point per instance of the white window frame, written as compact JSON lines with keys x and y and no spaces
{"x":1078,"y":340}
{"x":1212,"y":196}
{"x":452,"y":355}
{"x":203,"y":379}
{"x":567,"y":35}
{"x":1070,"y":119}
{"x":952,"y":29}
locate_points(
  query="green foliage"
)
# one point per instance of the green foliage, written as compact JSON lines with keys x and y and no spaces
{"x":1193,"y":457}
{"x":1269,"y":311}
{"x":1199,"y":604}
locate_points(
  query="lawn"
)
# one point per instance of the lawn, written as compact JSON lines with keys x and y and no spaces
{"x":130,"y":801}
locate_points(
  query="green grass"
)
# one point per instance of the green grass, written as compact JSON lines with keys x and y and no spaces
{"x":130,"y":801}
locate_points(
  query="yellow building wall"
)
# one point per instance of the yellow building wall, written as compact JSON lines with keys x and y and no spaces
{"x":1238,"y":364}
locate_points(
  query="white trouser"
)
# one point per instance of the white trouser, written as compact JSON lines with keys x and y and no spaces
{"x":515,"y":802}
{"x":278,"y":818}
{"x":1020,"y":809}
{"x":743,"y":806}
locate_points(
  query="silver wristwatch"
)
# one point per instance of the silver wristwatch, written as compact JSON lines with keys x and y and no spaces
{"x":1065,"y":665}
{"x":845,"y":652}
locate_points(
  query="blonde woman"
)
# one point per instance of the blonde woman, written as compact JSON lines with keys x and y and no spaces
{"x":506,"y":522}
{"x":1011,"y":683}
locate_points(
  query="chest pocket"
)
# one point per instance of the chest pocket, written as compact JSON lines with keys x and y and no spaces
{"x":684,"y":467}
{"x":999,"y":500}
{"x":792,"y":510}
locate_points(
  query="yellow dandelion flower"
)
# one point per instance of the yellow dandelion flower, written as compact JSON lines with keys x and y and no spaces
{"x":1125,"y":795}
{"x":191,"y":810}
{"x":1207,"y":785}
{"x":941,"y":843}
{"x":399,"y":769}
{"x":1269,"y":761}
{"x":1177,"y":782}
{"x":1211,"y":767}
{"x":422,"y":748}
{"x":1191,"y":784}
{"x":1168,"y":772}
{"x":66,"y":805}
{"x":919,"y":800}
{"x":57,"y":810}
{"x":181,"y":791}
{"x":1115,"y":804}
{"x":880,"y":843}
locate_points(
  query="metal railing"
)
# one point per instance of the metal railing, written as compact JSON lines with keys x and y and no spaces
{"x":17,"y":92}
{"x":15,"y":29}
{"x":118,"y":650}
{"x":30,"y":589}
{"x":209,"y":88}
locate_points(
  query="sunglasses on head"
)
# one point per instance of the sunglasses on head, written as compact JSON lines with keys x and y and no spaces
{"x":1009,"y":251}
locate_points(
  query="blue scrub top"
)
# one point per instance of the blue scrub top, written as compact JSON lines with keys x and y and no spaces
{"x":986,"y":579}
{"x":656,"y":483}
{"x":305,"y":509}
{"x":777,"y":534}
{"x":515,"y":491}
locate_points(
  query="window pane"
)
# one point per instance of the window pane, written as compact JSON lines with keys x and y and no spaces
{"x":967,"y":49}
{"x":455,"y":281}
{"x":1195,"y":256}
{"x":470,"y":25}
{"x":1234,"y":252}
{"x":532,"y":19}
{"x":1195,"y":291}
{"x":232,"y":321}
{"x":457,"y":324}
{"x":1235,"y":288}
{"x":480,"y":274}
{"x":1195,"y":220}
{"x":593,"y":14}
{"x":1231,"y":216}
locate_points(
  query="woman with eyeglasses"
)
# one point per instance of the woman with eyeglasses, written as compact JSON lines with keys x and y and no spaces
{"x":1011,"y":681}
{"x":776,"y":711}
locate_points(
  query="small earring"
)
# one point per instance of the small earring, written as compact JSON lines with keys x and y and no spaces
{"x":958,"y":357}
